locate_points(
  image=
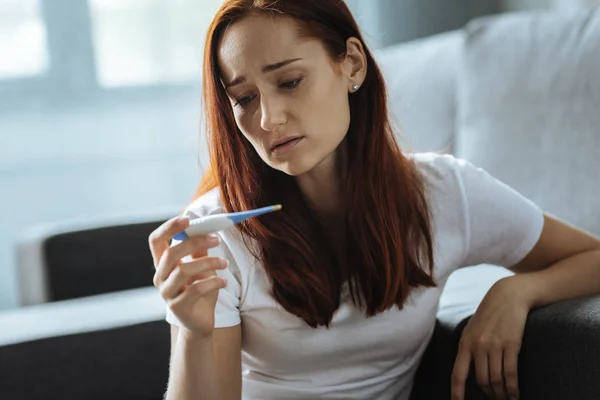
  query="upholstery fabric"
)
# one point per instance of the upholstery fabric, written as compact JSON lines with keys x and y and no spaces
{"x":529,"y":108}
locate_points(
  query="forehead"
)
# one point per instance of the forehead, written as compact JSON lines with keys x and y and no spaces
{"x":259,"y":40}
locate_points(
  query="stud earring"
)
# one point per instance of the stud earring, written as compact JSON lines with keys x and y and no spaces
{"x":355,"y":87}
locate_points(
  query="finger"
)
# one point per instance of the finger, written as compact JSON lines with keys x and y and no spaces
{"x":160,"y":238}
{"x":185,"y":274}
{"x":172,"y":256}
{"x":200,"y":253}
{"x":496,"y":375}
{"x":483,"y":373}
{"x":511,"y":376}
{"x":460,"y":373}
{"x":203,"y":251}
{"x":196,"y":291}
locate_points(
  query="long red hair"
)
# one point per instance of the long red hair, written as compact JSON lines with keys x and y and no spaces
{"x":388,"y":238}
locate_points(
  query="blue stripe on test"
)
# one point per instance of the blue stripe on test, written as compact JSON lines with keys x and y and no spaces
{"x":181,"y":236}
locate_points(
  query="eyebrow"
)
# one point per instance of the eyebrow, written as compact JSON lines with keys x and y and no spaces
{"x":266,"y":68}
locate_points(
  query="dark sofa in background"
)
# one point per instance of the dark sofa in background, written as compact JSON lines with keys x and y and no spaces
{"x":517,"y":94}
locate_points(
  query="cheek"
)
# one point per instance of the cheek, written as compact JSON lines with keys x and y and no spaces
{"x":332,"y":111}
{"x":245,"y":125}
{"x":242,"y":119}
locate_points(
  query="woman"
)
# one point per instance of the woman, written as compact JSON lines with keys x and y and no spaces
{"x":335,"y":296}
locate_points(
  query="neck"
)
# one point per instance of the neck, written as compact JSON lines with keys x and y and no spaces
{"x":322,"y":186}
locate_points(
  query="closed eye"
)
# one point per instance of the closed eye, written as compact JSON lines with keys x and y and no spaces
{"x":244,"y":101}
{"x":292,"y":84}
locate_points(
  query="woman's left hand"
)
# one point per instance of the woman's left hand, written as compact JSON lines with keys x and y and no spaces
{"x":492,"y":339}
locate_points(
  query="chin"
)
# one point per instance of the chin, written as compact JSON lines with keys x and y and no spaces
{"x":292,"y":169}
{"x":298,"y":162}
{"x":294,"y":166}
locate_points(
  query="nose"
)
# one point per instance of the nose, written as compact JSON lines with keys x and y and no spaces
{"x":273,"y":113}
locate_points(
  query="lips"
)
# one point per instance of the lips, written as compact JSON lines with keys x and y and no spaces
{"x":283,"y":141}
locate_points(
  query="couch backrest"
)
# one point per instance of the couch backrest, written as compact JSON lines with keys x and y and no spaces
{"x":421,"y":81}
{"x":517,"y":94}
{"x":78,"y":258}
{"x":529,"y":107}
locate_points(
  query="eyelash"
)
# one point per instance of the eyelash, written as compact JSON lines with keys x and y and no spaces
{"x":291,"y":85}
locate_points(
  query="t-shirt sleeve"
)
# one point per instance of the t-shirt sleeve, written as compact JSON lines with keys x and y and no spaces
{"x":501,"y":225}
{"x":227,"y":312}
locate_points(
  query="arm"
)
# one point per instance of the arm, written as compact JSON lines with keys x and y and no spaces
{"x":205,"y":367}
{"x":553,"y":261}
{"x":205,"y":362}
{"x":564,"y":264}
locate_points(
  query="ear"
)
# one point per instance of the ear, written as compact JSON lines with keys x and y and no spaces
{"x":354,"y":65}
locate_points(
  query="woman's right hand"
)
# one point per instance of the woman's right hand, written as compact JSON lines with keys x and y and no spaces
{"x":189,"y":288}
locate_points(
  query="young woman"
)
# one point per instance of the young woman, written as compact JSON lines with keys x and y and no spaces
{"x":335,"y":296}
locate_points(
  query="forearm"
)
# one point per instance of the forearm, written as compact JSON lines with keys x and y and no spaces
{"x":193,"y":374}
{"x":576,"y":276}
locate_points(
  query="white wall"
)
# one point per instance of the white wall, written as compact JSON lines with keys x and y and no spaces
{"x":386,"y":22}
{"x":515,"y":5}
{"x":106,"y":131}
{"x":93,"y":161}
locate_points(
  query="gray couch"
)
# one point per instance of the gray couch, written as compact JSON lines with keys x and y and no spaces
{"x":518,"y":95}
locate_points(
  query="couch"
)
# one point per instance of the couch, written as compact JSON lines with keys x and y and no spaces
{"x":517,"y":94}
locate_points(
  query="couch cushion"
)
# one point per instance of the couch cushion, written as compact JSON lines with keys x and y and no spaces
{"x":420,"y":78}
{"x":125,"y":363}
{"x":529,"y":108}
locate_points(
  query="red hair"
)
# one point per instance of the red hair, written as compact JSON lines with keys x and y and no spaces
{"x":388,"y":238}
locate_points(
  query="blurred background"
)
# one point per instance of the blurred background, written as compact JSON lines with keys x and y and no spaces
{"x":101,"y":140}
{"x":100,"y":103}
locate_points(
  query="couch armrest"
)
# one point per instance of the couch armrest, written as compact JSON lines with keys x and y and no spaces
{"x":110,"y":346}
{"x":88,"y":314}
{"x":559,"y":358}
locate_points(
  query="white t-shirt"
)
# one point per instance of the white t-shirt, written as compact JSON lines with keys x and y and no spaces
{"x":476,"y":219}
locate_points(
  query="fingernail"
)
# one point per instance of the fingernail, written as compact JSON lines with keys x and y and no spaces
{"x":183,"y":218}
{"x":214,"y":240}
{"x":224,"y":262}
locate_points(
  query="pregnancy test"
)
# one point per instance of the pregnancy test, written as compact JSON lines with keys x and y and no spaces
{"x":218,"y":222}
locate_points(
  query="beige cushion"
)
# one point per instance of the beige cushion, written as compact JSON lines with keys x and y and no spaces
{"x":529,"y":95}
{"x":420,"y":77}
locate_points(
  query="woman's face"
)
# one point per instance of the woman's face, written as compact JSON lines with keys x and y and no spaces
{"x":288,"y":97}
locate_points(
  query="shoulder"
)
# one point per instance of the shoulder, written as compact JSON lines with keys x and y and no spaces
{"x":440,"y":171}
{"x":435,"y":164}
{"x":207,"y":204}
{"x":443,"y":183}
{"x":445,"y":179}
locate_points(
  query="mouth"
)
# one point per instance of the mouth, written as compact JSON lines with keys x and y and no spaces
{"x":285,"y":144}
